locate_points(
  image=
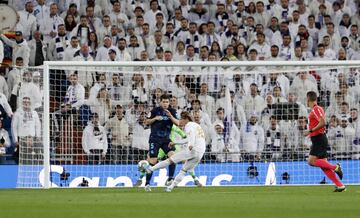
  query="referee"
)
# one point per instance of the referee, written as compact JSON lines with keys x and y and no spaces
{"x":318,"y":152}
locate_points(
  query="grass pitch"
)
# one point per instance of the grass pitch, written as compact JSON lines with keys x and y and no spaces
{"x":221,"y":202}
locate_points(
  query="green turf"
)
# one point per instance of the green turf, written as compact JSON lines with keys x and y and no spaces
{"x":267,"y":202}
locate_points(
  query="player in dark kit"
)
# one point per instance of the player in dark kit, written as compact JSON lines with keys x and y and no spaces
{"x":161,"y":120}
{"x":318,"y":151}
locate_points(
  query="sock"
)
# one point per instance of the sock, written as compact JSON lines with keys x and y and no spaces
{"x":179,"y":177}
{"x":324,"y":164}
{"x":148,"y":178}
{"x":332,"y":176}
{"x":161,"y":165}
{"x":172,"y":168}
{"x":192,"y":174}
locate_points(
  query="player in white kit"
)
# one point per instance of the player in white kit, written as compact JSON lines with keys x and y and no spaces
{"x":192,"y":152}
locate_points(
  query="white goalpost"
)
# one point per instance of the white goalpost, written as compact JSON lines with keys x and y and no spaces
{"x":93,"y":133}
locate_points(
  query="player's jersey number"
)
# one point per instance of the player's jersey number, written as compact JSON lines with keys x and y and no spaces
{"x":200,"y":132}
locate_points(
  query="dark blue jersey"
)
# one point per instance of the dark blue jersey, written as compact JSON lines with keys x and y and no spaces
{"x":160,"y":129}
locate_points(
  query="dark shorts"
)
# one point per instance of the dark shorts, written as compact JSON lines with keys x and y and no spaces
{"x":319,"y":146}
{"x":155,"y":146}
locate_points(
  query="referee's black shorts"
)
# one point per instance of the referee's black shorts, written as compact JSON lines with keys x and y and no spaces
{"x":320,"y":146}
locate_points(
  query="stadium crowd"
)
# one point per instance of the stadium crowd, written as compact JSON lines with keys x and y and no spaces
{"x":116,"y":103}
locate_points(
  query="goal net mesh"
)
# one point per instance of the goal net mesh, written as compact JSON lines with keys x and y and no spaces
{"x":98,"y":135}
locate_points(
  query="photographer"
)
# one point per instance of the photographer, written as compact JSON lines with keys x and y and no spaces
{"x":94,"y":141}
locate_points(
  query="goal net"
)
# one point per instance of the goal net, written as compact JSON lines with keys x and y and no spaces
{"x":90,"y":130}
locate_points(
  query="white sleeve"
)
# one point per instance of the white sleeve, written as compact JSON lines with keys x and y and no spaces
{"x":8,"y":41}
{"x":1,"y":51}
{"x":105,"y":144}
{"x":14,"y":126}
{"x":80,"y":97}
{"x":50,"y":50}
{"x":7,"y":140}
{"x":261,"y":139}
{"x":37,"y":125}
{"x":85,"y":138}
{"x":26,"y":55}
{"x":37,"y":97}
{"x":6,"y":105}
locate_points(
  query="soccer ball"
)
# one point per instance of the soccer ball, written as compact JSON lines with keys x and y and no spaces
{"x":142,"y":164}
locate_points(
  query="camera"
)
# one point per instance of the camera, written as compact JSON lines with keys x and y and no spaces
{"x":84,"y":183}
{"x":64,"y":176}
{"x":252,"y":171}
{"x":286,"y":177}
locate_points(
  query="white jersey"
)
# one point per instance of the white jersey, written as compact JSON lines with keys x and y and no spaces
{"x":196,"y":137}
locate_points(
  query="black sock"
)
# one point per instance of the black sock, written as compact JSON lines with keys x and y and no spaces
{"x":172,"y":168}
{"x":148,"y":177}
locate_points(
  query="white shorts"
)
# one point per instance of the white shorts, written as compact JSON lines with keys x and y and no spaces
{"x":192,"y":158}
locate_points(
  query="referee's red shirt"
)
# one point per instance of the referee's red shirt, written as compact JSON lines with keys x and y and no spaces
{"x":314,"y":118}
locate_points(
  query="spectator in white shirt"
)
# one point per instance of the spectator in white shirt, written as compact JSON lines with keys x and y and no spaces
{"x":141,"y":134}
{"x":75,"y":95}
{"x":13,"y":77}
{"x":159,"y":24}
{"x":207,"y":101}
{"x":261,"y":16}
{"x":104,"y":29}
{"x":94,"y":141}
{"x":222,"y":149}
{"x":117,"y":18}
{"x":286,"y":48}
{"x":27,"y":88}
{"x":253,"y":101}
{"x":123,"y":53}
{"x":85,"y":78}
{"x":199,"y":14}
{"x":303,"y":84}
{"x":149,"y":15}
{"x":119,"y":135}
{"x":261,"y":47}
{"x":19,"y":46}
{"x":82,"y":30}
{"x":103,"y":51}
{"x":26,"y":128}
{"x":58,"y":45}
{"x":49,"y":28}
{"x":28,"y":20}
{"x":38,"y":50}
{"x":120,"y":90}
{"x":134,"y":48}
{"x":252,"y":139}
{"x":299,"y":144}
{"x":342,"y":137}
{"x":93,"y":21}
{"x":41,"y":12}
{"x":70,"y":50}
{"x":179,"y":90}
